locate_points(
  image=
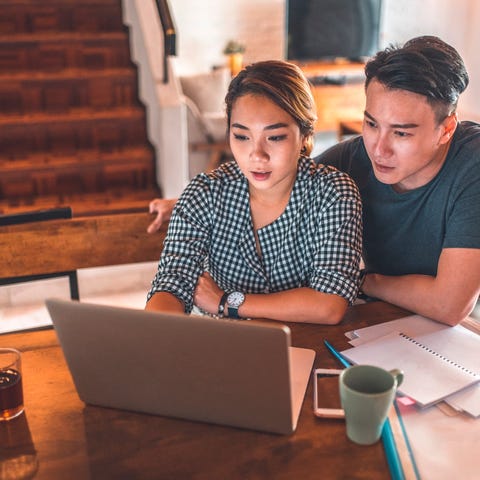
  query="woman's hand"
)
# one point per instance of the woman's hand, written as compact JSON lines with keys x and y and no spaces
{"x":207,"y":294}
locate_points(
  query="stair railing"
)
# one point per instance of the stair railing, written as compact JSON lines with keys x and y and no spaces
{"x":169,"y":34}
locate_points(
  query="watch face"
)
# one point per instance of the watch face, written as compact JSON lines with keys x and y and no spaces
{"x":235,"y":299}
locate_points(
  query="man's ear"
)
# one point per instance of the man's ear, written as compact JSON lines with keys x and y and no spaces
{"x":449,"y":126}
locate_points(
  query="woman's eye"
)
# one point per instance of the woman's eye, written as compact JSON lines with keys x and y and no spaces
{"x":370,"y":123}
{"x":237,"y":136}
{"x":277,"y":138}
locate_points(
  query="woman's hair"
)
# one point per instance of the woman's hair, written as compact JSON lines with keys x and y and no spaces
{"x":424,"y":65}
{"x":285,"y":85}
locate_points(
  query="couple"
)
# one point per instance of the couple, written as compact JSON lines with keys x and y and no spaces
{"x":276,"y":235}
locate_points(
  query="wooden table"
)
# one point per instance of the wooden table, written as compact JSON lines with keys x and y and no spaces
{"x":59,"y":437}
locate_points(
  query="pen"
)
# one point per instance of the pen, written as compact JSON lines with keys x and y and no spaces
{"x":336,"y":354}
{"x":391,"y":452}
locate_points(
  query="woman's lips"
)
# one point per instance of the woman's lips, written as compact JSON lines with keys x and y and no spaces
{"x":261,"y":176}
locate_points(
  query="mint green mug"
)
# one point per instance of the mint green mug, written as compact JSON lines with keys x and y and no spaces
{"x":367,"y":393}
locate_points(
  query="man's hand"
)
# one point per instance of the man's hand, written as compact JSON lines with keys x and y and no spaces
{"x":163,"y":208}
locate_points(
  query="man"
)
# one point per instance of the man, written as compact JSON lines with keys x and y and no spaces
{"x":418,"y":171}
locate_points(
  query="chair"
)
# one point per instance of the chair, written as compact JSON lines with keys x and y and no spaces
{"x":204,"y":97}
{"x":41,"y":216}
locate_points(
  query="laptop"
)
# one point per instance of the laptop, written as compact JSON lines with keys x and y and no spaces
{"x":237,"y":373}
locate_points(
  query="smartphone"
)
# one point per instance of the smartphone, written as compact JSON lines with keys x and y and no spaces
{"x":326,"y":396}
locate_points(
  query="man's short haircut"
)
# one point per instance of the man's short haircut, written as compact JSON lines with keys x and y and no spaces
{"x":424,"y":65}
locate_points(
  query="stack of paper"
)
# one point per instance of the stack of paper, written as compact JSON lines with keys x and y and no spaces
{"x":439,"y":362}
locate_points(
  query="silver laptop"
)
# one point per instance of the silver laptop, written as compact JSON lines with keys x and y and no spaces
{"x":238,"y":373}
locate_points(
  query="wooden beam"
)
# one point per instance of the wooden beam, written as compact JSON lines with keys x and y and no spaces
{"x":62,"y":245}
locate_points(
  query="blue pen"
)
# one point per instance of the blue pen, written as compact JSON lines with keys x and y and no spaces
{"x":336,"y":354}
{"x":391,"y":452}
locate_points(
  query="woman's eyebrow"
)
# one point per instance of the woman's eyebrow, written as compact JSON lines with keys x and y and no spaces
{"x":274,"y":126}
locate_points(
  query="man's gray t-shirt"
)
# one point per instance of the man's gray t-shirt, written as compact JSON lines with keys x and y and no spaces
{"x":404,"y":233}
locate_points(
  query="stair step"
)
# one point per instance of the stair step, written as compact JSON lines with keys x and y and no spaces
{"x":139,"y":154}
{"x":72,"y":129}
{"x":84,"y":204}
{"x":34,"y":16}
{"x":62,"y":51}
{"x":108,"y":130}
{"x":86,"y":172}
{"x":25,"y":93}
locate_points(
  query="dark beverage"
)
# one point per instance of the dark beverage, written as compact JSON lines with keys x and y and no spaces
{"x":11,"y":394}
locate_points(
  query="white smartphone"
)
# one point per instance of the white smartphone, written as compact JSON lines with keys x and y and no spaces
{"x":326,"y":397}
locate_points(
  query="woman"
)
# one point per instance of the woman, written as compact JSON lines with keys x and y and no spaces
{"x":269,"y":235}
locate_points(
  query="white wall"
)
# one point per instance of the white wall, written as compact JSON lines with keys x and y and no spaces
{"x":456,"y":22}
{"x":205,"y":27}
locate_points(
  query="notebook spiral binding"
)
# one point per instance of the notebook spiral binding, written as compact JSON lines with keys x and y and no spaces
{"x":433,"y":352}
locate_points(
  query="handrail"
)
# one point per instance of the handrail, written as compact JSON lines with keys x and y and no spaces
{"x":169,"y":34}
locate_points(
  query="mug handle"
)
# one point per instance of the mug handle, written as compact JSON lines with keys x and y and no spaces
{"x":398,"y":375}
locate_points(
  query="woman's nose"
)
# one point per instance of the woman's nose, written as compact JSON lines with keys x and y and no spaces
{"x":258,"y":152}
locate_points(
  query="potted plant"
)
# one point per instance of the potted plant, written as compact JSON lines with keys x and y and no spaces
{"x":234,"y":51}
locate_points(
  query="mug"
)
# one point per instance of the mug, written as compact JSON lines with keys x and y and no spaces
{"x":367,"y":393}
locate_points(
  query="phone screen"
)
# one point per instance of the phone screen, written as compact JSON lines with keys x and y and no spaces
{"x":326,"y":398}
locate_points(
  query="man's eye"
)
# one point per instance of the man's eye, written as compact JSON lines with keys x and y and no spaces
{"x":403,"y":134}
{"x":370,"y":124}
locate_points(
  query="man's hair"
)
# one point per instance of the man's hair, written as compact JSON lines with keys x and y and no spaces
{"x":424,"y":65}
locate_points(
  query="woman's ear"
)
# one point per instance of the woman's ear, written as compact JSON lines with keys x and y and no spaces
{"x":307,"y":145}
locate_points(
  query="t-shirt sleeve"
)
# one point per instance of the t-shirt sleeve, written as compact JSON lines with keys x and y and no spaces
{"x":463,"y":216}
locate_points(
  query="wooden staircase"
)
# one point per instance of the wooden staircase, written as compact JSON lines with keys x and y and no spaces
{"x":72,"y":129}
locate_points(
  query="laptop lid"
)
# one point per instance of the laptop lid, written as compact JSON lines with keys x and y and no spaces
{"x":238,"y":373}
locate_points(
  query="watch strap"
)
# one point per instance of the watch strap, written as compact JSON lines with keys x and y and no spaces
{"x":233,"y":312}
{"x":221,"y":305}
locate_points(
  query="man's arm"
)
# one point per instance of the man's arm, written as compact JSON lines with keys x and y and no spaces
{"x":448,"y":298}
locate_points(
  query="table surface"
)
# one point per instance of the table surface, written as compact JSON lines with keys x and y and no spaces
{"x":61,"y":437}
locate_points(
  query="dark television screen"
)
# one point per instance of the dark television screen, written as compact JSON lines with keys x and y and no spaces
{"x":329,"y":29}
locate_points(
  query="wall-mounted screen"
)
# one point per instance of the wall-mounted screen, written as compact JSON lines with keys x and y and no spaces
{"x":331,"y":29}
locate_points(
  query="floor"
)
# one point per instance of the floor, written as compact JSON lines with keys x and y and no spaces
{"x":22,"y":305}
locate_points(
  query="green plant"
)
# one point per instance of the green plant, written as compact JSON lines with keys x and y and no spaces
{"x":233,"y":47}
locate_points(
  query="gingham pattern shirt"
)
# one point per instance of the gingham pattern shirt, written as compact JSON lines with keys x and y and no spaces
{"x":315,"y":243}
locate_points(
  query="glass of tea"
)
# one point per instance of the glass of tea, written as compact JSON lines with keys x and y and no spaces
{"x":11,"y":391}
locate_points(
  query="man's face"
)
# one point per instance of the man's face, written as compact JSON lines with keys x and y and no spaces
{"x":406,"y":145}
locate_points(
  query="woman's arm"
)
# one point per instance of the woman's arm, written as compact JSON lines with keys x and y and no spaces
{"x":165,"y":302}
{"x":296,"y":305}
{"x":184,"y":250}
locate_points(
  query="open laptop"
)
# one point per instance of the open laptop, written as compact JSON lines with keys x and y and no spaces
{"x":238,"y":373}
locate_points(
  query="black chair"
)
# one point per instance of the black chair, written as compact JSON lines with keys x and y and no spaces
{"x":40,"y":216}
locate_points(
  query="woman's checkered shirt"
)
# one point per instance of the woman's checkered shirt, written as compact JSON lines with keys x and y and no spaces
{"x":315,"y":243}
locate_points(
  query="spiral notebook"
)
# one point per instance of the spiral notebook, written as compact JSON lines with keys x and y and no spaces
{"x":436,"y":365}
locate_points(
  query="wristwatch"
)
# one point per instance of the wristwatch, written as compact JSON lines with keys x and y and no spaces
{"x":234,"y":300}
